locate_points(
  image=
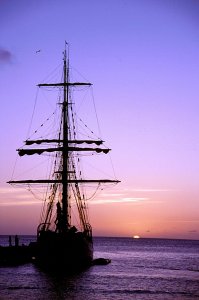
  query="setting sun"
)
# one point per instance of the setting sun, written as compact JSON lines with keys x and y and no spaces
{"x":136,"y":236}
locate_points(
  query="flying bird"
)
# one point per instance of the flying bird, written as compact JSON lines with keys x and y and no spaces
{"x":38,"y":51}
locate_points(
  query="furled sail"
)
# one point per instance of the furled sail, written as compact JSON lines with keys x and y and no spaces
{"x":40,"y":151}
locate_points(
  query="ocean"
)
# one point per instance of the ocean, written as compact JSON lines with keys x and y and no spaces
{"x":139,"y":269}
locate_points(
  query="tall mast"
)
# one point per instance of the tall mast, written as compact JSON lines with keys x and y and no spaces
{"x":65,"y":146}
{"x":65,"y":152}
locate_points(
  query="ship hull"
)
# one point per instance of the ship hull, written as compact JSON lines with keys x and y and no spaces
{"x":14,"y":256}
{"x":67,"y":252}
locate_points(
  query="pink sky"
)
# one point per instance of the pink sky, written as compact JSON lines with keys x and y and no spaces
{"x":142,"y":58}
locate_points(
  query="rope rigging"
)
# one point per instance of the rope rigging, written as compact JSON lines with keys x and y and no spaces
{"x":63,"y":183}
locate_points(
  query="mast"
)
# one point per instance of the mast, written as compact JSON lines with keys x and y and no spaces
{"x":65,"y":152}
{"x":66,"y":145}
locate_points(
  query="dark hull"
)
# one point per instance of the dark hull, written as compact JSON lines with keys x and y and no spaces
{"x":69,"y":252}
{"x":16,"y":255}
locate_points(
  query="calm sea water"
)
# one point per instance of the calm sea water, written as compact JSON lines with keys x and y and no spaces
{"x":140,"y":269}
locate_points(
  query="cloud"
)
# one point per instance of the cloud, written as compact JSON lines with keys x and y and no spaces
{"x":10,"y":190}
{"x":148,"y":190}
{"x":19,"y":203}
{"x":12,"y":197}
{"x":105,"y":195}
{"x":5,"y":56}
{"x":123,"y":200}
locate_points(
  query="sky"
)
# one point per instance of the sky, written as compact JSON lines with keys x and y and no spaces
{"x":142,"y":58}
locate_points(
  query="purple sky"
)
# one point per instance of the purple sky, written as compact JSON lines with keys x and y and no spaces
{"x":143,"y":60}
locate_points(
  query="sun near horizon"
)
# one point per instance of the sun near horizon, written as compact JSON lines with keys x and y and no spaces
{"x":136,"y":237}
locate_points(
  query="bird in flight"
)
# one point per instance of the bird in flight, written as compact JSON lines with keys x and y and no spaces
{"x":38,"y":51}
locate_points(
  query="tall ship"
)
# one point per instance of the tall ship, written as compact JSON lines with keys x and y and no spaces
{"x":61,"y":243}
